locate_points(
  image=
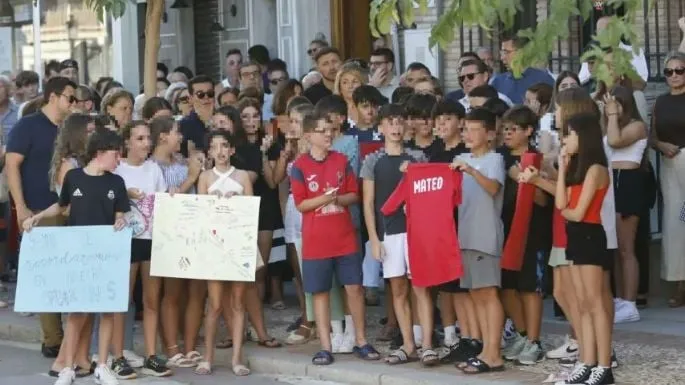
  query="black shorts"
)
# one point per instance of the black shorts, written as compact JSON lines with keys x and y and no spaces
{"x":452,"y":287}
{"x":587,"y":244}
{"x":630,"y":191}
{"x":531,"y":278}
{"x":270,"y":217}
{"x":141,"y":250}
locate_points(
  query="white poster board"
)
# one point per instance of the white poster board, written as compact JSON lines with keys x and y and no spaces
{"x":416,"y":49}
{"x":205,"y":237}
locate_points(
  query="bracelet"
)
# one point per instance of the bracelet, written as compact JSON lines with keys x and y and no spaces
{"x":613,"y":114}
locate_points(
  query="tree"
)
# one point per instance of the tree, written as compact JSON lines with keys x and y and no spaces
{"x":153,"y":21}
{"x":488,"y":14}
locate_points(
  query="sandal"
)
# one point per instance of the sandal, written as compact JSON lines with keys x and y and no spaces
{"x":195,"y":357}
{"x":476,"y":366}
{"x":240,"y":370}
{"x":301,"y":336}
{"x":80,"y":372}
{"x":399,"y":357}
{"x":178,"y":360}
{"x":429,"y":358}
{"x":366,"y":353}
{"x":271,"y":343}
{"x":226,"y":343}
{"x":278,"y":305}
{"x":203,"y":368}
{"x":323,"y":357}
{"x":677,"y":300}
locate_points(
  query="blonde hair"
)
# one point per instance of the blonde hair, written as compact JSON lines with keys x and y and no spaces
{"x":351,"y":69}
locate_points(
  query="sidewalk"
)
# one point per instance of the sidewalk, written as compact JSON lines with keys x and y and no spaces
{"x":650,"y":352}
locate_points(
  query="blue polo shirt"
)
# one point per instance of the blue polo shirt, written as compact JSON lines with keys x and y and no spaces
{"x":192,"y":128}
{"x":34,"y":137}
{"x":515,"y":89}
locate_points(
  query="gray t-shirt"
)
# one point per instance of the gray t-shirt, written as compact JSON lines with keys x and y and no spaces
{"x":384,"y":170}
{"x":480,"y":215}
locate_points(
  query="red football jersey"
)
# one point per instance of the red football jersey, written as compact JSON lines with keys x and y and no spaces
{"x":430,"y":192}
{"x":327,"y":231}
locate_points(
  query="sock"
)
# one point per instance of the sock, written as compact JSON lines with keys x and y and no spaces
{"x":349,"y":326}
{"x":522,"y":333}
{"x":450,"y":335}
{"x":337,"y":327}
{"x":418,"y":335}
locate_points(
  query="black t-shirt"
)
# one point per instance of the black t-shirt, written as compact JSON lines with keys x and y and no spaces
{"x":540,"y":231}
{"x":446,"y":155}
{"x":247,"y":157}
{"x":94,"y":200}
{"x":317,"y":92}
{"x":435,"y":146}
{"x":193,"y":129}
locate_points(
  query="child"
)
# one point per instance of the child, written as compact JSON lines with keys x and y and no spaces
{"x":367,"y":100}
{"x":143,"y":179}
{"x":582,"y":184}
{"x":481,"y":207}
{"x":388,"y":234}
{"x":522,"y":290}
{"x":419,"y":109}
{"x":224,"y":181}
{"x":455,"y":302}
{"x":101,"y":201}
{"x":324,"y":186}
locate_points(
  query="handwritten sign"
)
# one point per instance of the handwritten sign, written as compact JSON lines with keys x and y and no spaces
{"x":205,"y":237}
{"x":74,"y":269}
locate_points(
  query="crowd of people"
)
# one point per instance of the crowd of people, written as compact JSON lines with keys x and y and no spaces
{"x":368,"y":179}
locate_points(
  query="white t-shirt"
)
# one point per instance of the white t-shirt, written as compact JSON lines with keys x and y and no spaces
{"x":149,"y":179}
{"x":467,"y":106}
{"x":639,"y":63}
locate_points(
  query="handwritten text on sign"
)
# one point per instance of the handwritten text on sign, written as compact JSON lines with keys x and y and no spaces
{"x":74,"y":269}
{"x":205,"y":237}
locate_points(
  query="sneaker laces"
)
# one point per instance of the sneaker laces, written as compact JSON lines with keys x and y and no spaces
{"x":577,"y":373}
{"x":596,"y":375}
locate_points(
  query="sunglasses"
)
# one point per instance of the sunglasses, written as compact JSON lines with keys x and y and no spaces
{"x":668,"y":72}
{"x":468,"y":76}
{"x":185,"y":99}
{"x":274,"y":82}
{"x":312,"y":50}
{"x":203,"y":94}
{"x":71,"y":98}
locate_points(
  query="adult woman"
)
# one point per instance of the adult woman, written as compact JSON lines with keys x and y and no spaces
{"x":179,"y":98}
{"x":349,"y":77}
{"x":668,"y":137}
{"x":119,"y":106}
{"x":225,"y":119}
{"x":285,"y":93}
{"x":626,"y":135}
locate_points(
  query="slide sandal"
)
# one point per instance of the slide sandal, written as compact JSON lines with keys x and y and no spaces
{"x":240,"y":370}
{"x":324,"y":357}
{"x":204,"y":368}
{"x":367,"y":353}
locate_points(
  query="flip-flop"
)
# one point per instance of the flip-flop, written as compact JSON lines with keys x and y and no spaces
{"x":225,"y":344}
{"x":241,"y":370}
{"x":477,"y":366}
{"x":203,"y":368}
{"x":270,"y":343}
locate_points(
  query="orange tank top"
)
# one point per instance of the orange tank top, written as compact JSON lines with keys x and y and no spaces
{"x":592,"y":215}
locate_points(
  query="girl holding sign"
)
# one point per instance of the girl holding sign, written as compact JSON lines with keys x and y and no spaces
{"x":82,"y":197}
{"x":143,"y":179}
{"x":224,"y":181}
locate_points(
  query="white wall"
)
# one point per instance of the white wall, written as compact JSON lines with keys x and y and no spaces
{"x":312,"y":17}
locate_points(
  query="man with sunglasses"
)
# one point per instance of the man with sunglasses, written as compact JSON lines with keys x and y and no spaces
{"x":194,"y":126}
{"x":28,"y":159}
{"x":473,"y":74}
{"x":277,"y":73}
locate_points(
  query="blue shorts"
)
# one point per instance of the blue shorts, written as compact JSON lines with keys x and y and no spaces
{"x":318,"y":273}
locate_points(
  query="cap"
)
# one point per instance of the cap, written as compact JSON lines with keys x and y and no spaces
{"x":69,"y":63}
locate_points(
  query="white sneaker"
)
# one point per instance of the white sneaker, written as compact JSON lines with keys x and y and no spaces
{"x":66,"y":377}
{"x":104,"y":376}
{"x":134,"y":360}
{"x":568,"y":350}
{"x":627,"y":312}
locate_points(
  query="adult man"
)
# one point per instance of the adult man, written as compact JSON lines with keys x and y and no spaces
{"x":416,"y":72}
{"x":51,"y":70}
{"x":314,"y":47}
{"x":639,"y":61}
{"x":234,"y":59}
{"x":69,"y":69}
{"x":194,"y":126}
{"x":260,"y":54}
{"x":8,"y":110}
{"x":27,"y":86}
{"x":250,"y":75}
{"x":506,"y":83}
{"x":485,"y":54}
{"x":327,"y":64}
{"x":457,"y":95}
{"x":28,"y":159}
{"x":382,"y":65}
{"x":474,"y":73}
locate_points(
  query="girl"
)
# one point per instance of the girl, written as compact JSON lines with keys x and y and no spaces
{"x":154,"y":107}
{"x":180,"y":177}
{"x":626,"y":135}
{"x":102,"y":155}
{"x":224,"y":180}
{"x":118,"y":105}
{"x":70,"y":153}
{"x":225,"y":119}
{"x":582,"y":184}
{"x":143,"y":179}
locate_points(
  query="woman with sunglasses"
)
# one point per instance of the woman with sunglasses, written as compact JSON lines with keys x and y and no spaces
{"x":667,"y":136}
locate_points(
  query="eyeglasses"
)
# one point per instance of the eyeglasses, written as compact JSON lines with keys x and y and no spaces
{"x":185,"y":99}
{"x":668,"y":72}
{"x":312,"y":51}
{"x":71,"y":98}
{"x":203,"y":94}
{"x":252,"y":74}
{"x":377,"y":63}
{"x":274,"y":82}
{"x":468,"y":76}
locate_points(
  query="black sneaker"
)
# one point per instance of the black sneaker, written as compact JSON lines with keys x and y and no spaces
{"x":568,"y":362}
{"x":452,"y":353}
{"x":600,"y":376}
{"x":579,"y":375}
{"x":49,"y":351}
{"x":123,"y":370}
{"x":614,"y":360}
{"x":295,"y":325}
{"x":155,"y":366}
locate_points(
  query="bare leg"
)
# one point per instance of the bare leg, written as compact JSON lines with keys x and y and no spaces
{"x":238,"y":320}
{"x":197,"y":292}
{"x":400,"y":302}
{"x":215,"y":291}
{"x":171,"y":314}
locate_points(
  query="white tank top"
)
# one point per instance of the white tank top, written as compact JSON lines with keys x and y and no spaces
{"x":631,"y":153}
{"x":224,"y":183}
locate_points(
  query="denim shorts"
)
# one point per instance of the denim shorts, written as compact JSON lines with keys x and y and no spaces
{"x":318,"y":273}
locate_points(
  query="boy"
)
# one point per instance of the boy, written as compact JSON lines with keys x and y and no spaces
{"x":388,"y":234}
{"x":367,"y":100}
{"x":482,"y":192}
{"x":455,"y":303}
{"x":522,"y":290}
{"x":323,"y":187}
{"x":93,"y":196}
{"x":420,"y":124}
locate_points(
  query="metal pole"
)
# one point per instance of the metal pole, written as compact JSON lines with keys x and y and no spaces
{"x":37,"y":59}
